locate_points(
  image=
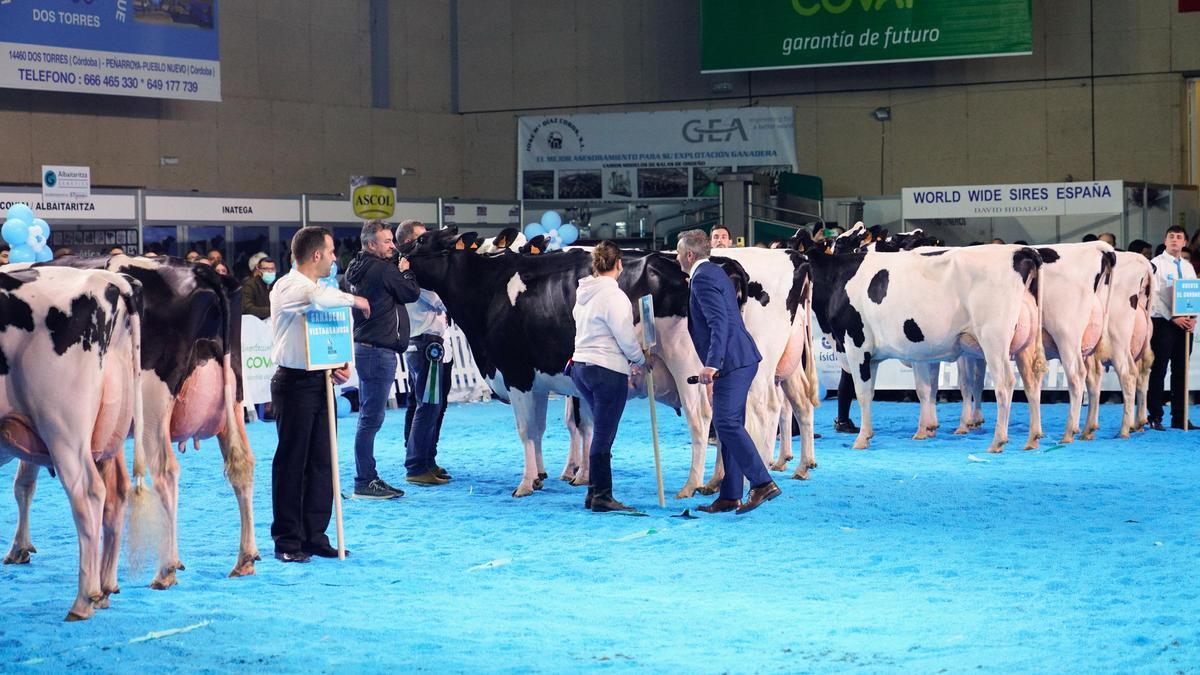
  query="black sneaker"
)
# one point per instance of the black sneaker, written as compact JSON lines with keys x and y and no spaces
{"x":324,"y":551}
{"x":845,"y":426}
{"x":1157,"y":425}
{"x":377,"y":489}
{"x":292,"y":556}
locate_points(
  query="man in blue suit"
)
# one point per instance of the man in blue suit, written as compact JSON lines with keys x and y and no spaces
{"x":730,"y":362}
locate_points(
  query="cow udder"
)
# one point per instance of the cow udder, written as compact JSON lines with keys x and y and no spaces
{"x":199,"y":410}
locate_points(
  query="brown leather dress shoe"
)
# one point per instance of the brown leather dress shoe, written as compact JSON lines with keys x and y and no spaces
{"x":721,"y":505}
{"x":758,"y":495}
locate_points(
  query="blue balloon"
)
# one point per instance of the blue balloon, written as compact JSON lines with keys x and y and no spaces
{"x":45,"y":255}
{"x":22,"y":254}
{"x":15,"y":231}
{"x":568,"y":234}
{"x":533,"y":230}
{"x":40,"y":239}
{"x":21,"y":212}
{"x":343,"y":406}
{"x":551,"y":220}
{"x":38,"y":222}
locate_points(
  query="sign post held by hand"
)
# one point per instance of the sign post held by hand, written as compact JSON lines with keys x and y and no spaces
{"x":649,"y":338}
{"x":329,"y":345}
{"x":1185,"y":301}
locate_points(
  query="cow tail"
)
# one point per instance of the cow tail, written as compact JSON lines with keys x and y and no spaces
{"x":145,"y":526}
{"x":1107,"y":262}
{"x":810,"y":369}
{"x":1039,"y":362}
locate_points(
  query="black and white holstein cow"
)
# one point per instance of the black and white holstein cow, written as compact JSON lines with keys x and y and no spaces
{"x":1126,"y":344}
{"x":515,"y":311}
{"x":926,"y":308}
{"x":69,"y":394}
{"x":191,"y":386}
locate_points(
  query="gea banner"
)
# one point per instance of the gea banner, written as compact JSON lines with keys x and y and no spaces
{"x":1029,"y":199}
{"x":769,"y":34}
{"x":649,"y":155}
{"x":153,"y":48}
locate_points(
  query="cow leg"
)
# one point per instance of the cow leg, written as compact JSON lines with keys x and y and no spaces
{"x":586,"y":427}
{"x":541,"y":404}
{"x":164,"y":474}
{"x":116,"y":484}
{"x":23,"y":486}
{"x":796,"y":392}
{"x":525,"y":410}
{"x":86,"y":493}
{"x":785,"y":440}
{"x":576,"y":448}
{"x":1031,"y":381}
{"x":239,"y":469}
{"x":924,"y":378}
{"x":713,"y":486}
{"x":1126,"y":369}
{"x":1143,"y":387}
{"x":864,"y":389}
{"x":1005,"y":381}
{"x":1094,"y":371}
{"x":970,"y":385}
{"x":1076,"y":371}
{"x":676,"y":350}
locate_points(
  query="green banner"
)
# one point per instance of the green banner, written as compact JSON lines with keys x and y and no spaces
{"x":770,"y":34}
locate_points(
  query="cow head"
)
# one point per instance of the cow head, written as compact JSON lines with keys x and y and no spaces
{"x":857,"y":238}
{"x":535,"y":246}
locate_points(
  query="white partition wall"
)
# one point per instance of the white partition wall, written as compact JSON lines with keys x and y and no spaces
{"x":109,"y":218}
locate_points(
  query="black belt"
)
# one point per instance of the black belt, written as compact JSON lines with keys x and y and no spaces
{"x":426,"y":338}
{"x":376,"y":345}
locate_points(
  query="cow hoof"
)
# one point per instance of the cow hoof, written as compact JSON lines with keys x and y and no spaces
{"x":800,"y":475}
{"x":539,"y":483}
{"x":996,"y":449}
{"x":812,"y":464}
{"x":19,"y":556}
{"x":962,"y":431}
{"x":567,"y":475}
{"x":103,"y":603}
{"x":245,"y":566}
{"x":686,"y":493}
{"x":779,"y":466}
{"x":706,"y":490}
{"x":1088,"y":435}
{"x":1031,"y":445}
{"x":580,"y":482}
{"x":79,"y":615}
{"x":543,"y":475}
{"x":1068,"y":438}
{"x":522,"y":491}
{"x":1124,"y":434}
{"x":164,"y":581}
{"x":920,"y":436}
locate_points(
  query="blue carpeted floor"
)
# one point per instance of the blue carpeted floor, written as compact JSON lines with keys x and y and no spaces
{"x":910,"y":556}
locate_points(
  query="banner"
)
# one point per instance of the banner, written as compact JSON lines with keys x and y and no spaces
{"x":1026,"y":199}
{"x":152,"y":48}
{"x":373,"y":197}
{"x":648,"y":155}
{"x":772,"y":34}
{"x":66,"y":183}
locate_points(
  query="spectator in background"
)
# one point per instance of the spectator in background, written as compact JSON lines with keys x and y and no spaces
{"x":221,"y":269}
{"x":192,"y":256}
{"x":149,"y":254}
{"x":1158,"y":250}
{"x":998,"y":240}
{"x":3,"y":255}
{"x":214,"y":256}
{"x":1021,"y":242}
{"x":116,"y":250}
{"x":719,"y":238}
{"x":1141,"y":247}
{"x":256,"y":292}
{"x":1089,"y":237}
{"x":62,"y":253}
{"x":1109,"y":238}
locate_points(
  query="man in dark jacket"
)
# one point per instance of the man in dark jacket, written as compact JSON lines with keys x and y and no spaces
{"x":256,"y":292}
{"x":378,"y":340}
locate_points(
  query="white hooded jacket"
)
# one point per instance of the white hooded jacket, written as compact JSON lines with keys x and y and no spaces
{"x":604,"y":332}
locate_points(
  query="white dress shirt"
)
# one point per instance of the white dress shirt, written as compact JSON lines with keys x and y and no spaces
{"x":1166,"y":270}
{"x":291,"y":297}
{"x":426,"y":316}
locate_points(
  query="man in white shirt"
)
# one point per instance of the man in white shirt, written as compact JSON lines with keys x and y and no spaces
{"x":1170,"y":332}
{"x":423,"y":421}
{"x":301,"y":483}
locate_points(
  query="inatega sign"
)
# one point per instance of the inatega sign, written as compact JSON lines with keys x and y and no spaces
{"x":769,"y":34}
{"x":648,"y":155}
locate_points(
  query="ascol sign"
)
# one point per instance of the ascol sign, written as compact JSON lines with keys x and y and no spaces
{"x":1030,"y":199}
{"x":373,"y":197}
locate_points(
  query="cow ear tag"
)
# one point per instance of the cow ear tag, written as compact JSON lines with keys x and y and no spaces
{"x":474,"y":245}
{"x":459,"y":245}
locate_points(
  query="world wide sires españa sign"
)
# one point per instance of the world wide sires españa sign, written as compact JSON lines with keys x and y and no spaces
{"x":771,"y":34}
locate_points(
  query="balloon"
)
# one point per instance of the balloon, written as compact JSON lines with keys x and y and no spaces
{"x":45,"y":255}
{"x":568,"y":234}
{"x":553,"y":242}
{"x":39,"y":232}
{"x":343,"y":406}
{"x":38,"y":222}
{"x":22,"y":254}
{"x":20,"y":212}
{"x":533,"y":230}
{"x":15,"y":231}
{"x":551,"y":220}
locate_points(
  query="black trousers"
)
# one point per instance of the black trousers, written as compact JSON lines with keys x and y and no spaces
{"x":1168,"y":346}
{"x":845,"y":395}
{"x":301,"y":482}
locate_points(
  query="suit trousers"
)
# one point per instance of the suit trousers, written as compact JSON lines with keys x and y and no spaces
{"x":1168,"y":344}
{"x":741,"y":459}
{"x":301,"y":482}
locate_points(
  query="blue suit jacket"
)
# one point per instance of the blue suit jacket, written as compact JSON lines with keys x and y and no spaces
{"x":715,"y":323}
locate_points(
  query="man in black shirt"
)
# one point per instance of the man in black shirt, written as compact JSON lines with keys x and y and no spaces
{"x":388,"y":286}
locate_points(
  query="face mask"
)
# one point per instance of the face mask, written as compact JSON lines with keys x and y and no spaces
{"x":268,"y":278}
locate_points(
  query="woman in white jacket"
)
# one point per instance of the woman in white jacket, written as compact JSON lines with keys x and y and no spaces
{"x":605,"y":345}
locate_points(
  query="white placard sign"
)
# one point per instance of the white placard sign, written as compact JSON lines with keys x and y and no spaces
{"x":217,"y":209}
{"x":96,"y":207}
{"x":66,"y":183}
{"x":1027,"y":199}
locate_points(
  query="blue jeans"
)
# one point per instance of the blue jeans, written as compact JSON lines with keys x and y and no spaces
{"x":604,"y":392}
{"x":424,"y":420}
{"x":376,"y":368}
{"x":738,"y":453}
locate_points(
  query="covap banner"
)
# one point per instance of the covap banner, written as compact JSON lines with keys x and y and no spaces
{"x":152,"y":48}
{"x":770,"y":34}
{"x":649,"y":155}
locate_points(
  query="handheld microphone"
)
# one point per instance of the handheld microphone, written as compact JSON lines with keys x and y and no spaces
{"x":695,"y":379}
